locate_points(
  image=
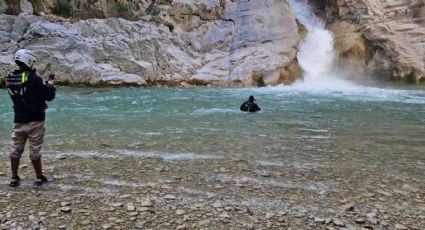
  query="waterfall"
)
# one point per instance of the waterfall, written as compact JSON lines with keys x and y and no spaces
{"x":316,"y":51}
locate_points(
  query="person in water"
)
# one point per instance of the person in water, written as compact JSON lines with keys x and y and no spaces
{"x":29,"y":94}
{"x":250,"y":105}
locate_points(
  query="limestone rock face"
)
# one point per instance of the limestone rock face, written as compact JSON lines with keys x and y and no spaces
{"x":265,"y":37}
{"x":388,"y":35}
{"x":190,"y":42}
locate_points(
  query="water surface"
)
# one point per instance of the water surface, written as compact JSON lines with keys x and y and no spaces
{"x":299,"y":126}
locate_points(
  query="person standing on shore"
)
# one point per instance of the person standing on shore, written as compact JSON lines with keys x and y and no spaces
{"x":250,"y":105}
{"x":29,"y":94}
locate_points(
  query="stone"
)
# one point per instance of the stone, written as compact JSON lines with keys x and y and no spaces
{"x":400,"y":227}
{"x":119,"y":221}
{"x":224,"y":215}
{"x":180,"y":212}
{"x":141,"y":224}
{"x":181,"y":227}
{"x":85,"y":222}
{"x":106,"y":226}
{"x":133,"y":213}
{"x":338,"y":223}
{"x":2,"y":174}
{"x":63,"y":204}
{"x":147,"y":203}
{"x":409,"y":188}
{"x":130,"y":207}
{"x":204,"y":222}
{"x":116,"y":205}
{"x":62,"y":226}
{"x":360,"y":221}
{"x":35,"y":226}
{"x":169,"y":197}
{"x":218,"y":204}
{"x":319,"y":220}
{"x":66,"y":210}
{"x":146,"y":209}
{"x":269,"y":215}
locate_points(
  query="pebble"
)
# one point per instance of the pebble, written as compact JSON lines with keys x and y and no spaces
{"x":180,"y":212}
{"x":269,"y":215}
{"x":63,"y":204}
{"x":130,"y":207}
{"x":264,"y":173}
{"x":116,"y":205}
{"x":23,"y":166}
{"x":409,"y":188}
{"x":360,"y":221}
{"x":85,"y":222}
{"x":170,"y":197}
{"x":62,"y":226}
{"x":119,"y":221}
{"x":145,"y":209}
{"x":218,"y":204}
{"x":319,"y":220}
{"x":146,"y":203}
{"x":400,"y":227}
{"x":66,"y":209}
{"x":181,"y":227}
{"x":224,"y":215}
{"x":204,"y":222}
{"x":141,"y":224}
{"x":339,"y":223}
{"x":2,"y":174}
{"x":133,"y":213}
{"x":106,"y":226}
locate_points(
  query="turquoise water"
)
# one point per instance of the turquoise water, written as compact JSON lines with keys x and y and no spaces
{"x":310,"y":125}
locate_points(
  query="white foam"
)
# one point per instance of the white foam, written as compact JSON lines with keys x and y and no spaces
{"x":83,"y":154}
{"x":213,"y":111}
{"x":168,"y":156}
{"x":270,"y":163}
{"x":313,"y":186}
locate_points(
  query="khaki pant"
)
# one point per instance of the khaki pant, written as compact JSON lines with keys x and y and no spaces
{"x":34,"y":133}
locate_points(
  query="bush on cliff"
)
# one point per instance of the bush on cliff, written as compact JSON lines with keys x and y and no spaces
{"x":63,"y":8}
{"x":121,"y":9}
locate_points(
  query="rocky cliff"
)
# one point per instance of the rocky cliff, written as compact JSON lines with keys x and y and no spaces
{"x":186,"y":42}
{"x":201,"y":42}
{"x":383,"y":37}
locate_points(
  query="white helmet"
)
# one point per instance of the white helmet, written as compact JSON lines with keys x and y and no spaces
{"x":25,"y":56}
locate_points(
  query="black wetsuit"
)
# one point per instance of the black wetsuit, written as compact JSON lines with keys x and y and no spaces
{"x":250,"y":106}
{"x":29,"y":95}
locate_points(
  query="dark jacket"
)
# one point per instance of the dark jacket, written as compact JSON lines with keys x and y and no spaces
{"x":29,"y":95}
{"x":249,"y":106}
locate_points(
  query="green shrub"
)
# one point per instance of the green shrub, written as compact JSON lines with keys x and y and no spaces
{"x":164,"y":2}
{"x":121,"y":9}
{"x":63,"y":8}
{"x":170,"y":26}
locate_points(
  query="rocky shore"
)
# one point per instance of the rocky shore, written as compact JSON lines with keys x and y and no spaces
{"x":124,"y":192}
